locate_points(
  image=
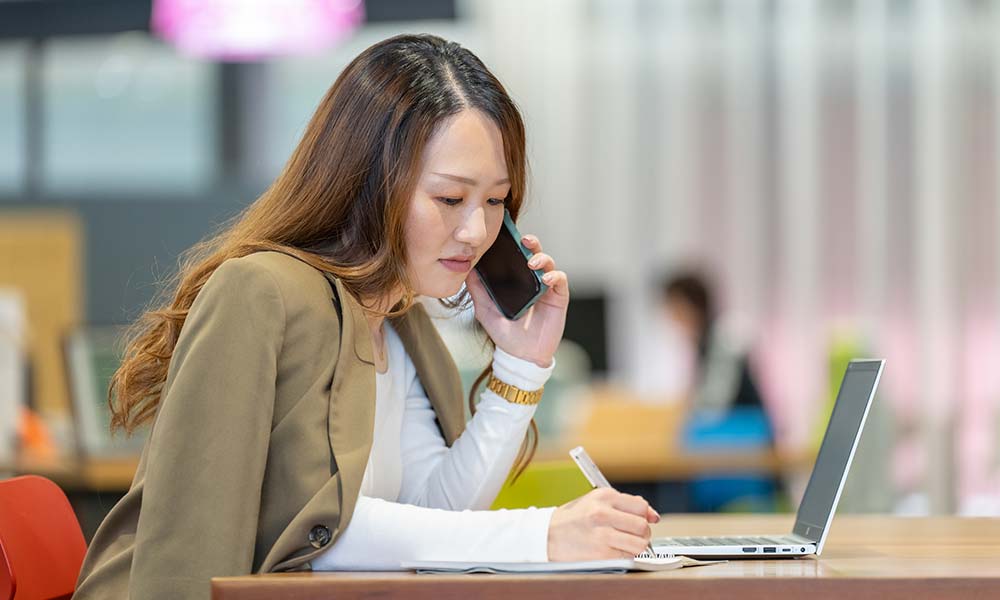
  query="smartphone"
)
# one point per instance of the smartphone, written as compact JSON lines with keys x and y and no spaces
{"x":504,"y":272}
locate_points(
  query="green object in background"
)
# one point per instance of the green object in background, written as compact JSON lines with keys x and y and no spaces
{"x":93,"y":355}
{"x":845,"y":346}
{"x":546,"y":483}
{"x":869,"y":487}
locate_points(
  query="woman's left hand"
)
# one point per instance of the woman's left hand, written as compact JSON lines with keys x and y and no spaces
{"x":537,"y":334}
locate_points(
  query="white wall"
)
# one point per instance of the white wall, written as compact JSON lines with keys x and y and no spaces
{"x":832,"y":164}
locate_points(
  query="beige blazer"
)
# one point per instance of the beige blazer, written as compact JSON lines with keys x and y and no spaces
{"x":255,"y":458}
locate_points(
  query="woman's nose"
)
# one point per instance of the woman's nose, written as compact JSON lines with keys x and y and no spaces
{"x":473,"y":229}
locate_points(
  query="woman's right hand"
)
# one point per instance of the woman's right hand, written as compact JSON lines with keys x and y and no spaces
{"x":601,"y":524}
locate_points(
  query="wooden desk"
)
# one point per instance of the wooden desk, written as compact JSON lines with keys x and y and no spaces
{"x":875,"y":558}
{"x":634,"y":442}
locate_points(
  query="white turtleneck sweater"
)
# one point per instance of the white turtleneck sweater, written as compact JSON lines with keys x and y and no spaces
{"x":420,"y":499}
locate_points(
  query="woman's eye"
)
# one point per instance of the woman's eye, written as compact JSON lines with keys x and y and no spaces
{"x":456,"y":201}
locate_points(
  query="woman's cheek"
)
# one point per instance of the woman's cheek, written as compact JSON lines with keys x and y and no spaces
{"x":494,"y":232}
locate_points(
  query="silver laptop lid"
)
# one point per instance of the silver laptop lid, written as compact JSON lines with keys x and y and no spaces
{"x":837,"y":451}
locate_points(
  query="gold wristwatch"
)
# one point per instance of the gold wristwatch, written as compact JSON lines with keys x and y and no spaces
{"x":513,"y":394}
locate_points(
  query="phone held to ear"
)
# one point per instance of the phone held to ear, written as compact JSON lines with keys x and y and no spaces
{"x":505,"y":274}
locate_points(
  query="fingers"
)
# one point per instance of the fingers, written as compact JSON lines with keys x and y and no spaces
{"x":558,"y":281}
{"x":635,"y":505}
{"x":652,"y":516}
{"x":542,"y":261}
{"x":531,"y":243}
{"x":593,"y":527}
{"x":623,"y":512}
{"x":552,"y":278}
{"x":632,"y":525}
{"x":629,"y":545}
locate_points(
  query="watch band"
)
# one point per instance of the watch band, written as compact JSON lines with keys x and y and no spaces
{"x":513,"y":394}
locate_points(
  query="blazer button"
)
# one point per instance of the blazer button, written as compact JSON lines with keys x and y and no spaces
{"x":319,"y":536}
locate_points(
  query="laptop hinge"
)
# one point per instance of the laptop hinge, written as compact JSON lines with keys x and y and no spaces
{"x":802,"y":539}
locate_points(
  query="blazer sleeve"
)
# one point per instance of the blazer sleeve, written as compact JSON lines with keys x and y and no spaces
{"x":208,"y":446}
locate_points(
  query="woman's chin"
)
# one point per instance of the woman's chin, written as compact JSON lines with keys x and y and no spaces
{"x":442,"y":291}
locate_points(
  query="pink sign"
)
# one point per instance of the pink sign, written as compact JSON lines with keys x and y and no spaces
{"x":254,"y":29}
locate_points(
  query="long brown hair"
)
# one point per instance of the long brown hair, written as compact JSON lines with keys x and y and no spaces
{"x":340,"y":202}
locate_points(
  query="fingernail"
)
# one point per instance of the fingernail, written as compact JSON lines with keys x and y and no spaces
{"x":547,"y":278}
{"x":533,"y":263}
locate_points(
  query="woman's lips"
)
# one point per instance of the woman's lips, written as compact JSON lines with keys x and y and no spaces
{"x":458,"y":266}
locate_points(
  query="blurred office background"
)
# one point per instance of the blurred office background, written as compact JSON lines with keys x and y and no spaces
{"x":832,"y":167}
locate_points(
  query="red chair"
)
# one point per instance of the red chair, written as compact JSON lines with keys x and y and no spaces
{"x":41,"y":545}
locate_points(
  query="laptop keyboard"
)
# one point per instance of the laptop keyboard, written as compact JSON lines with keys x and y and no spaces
{"x":725,"y":541}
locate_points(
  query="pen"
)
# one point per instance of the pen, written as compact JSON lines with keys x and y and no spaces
{"x":595,"y":477}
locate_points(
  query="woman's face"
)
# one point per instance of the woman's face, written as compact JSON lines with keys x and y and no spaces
{"x":683,"y":315}
{"x":457,"y":207}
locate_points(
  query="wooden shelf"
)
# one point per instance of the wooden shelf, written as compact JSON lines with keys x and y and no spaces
{"x":111,"y":474}
{"x":633,"y":441}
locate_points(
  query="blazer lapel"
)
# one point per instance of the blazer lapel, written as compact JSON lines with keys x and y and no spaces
{"x":435,"y":369}
{"x":351,"y":420}
{"x":351,"y":311}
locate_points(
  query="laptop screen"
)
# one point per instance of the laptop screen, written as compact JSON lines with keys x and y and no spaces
{"x":837,"y":450}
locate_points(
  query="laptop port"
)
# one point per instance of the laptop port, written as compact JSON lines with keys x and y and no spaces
{"x":770,"y":549}
{"x":750,"y":550}
{"x":786,"y":549}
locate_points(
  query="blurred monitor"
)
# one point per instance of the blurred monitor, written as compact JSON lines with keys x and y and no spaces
{"x":586,"y":324}
{"x":92,"y":357}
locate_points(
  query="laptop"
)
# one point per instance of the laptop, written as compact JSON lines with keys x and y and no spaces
{"x":823,"y":492}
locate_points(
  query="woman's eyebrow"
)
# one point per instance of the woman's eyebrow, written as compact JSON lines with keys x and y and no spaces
{"x":468,"y":181}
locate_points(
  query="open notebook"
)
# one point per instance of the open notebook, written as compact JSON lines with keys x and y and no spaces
{"x":619,"y":565}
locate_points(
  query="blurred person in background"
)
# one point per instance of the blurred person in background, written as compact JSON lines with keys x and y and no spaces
{"x":722,"y":378}
{"x":305,"y":413}
{"x":724,"y":407}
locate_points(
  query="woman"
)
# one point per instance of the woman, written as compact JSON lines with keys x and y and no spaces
{"x":305,"y":414}
{"x":726,"y":411}
{"x":723,"y":379}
